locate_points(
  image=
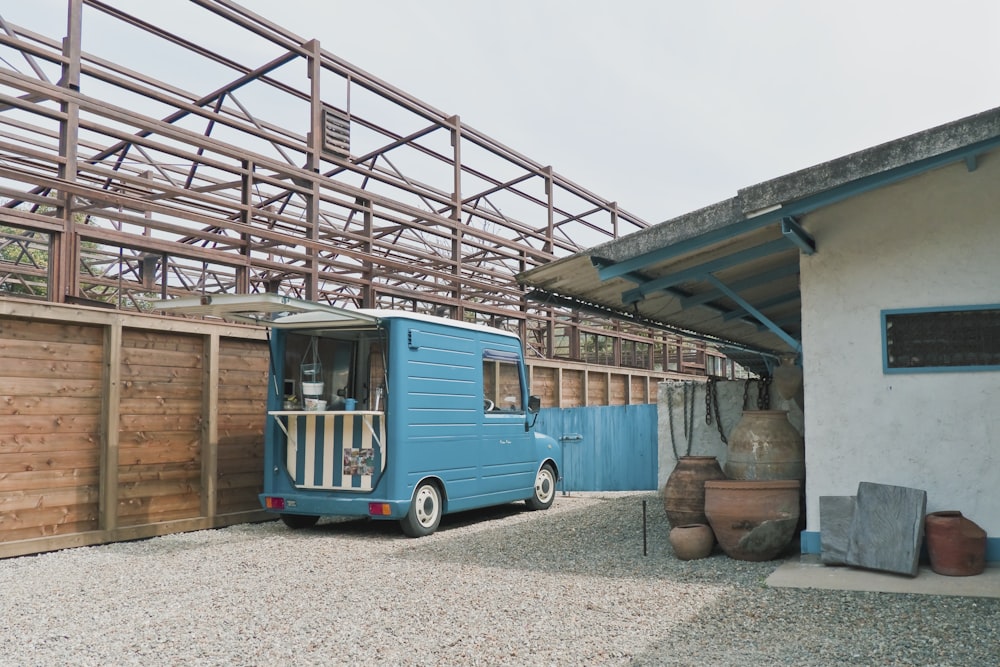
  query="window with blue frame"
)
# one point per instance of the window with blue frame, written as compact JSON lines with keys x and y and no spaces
{"x":949,"y":338}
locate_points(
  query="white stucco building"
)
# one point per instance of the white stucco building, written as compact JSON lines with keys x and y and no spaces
{"x":881,"y":270}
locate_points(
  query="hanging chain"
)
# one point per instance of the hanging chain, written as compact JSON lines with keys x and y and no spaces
{"x":712,"y":404}
{"x":670,"y":419}
{"x":764,"y":393}
{"x":689,"y":416}
{"x":687,"y":410}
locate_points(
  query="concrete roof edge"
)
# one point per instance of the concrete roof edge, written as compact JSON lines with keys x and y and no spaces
{"x":695,"y":223}
{"x":870,"y":161}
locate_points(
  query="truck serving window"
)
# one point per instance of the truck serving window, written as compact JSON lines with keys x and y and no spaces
{"x":501,"y":381}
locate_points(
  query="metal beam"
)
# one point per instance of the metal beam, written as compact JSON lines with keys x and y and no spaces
{"x":702,"y":270}
{"x":745,"y":284}
{"x":793,"y":231}
{"x":767,"y":303}
{"x":763,"y":319}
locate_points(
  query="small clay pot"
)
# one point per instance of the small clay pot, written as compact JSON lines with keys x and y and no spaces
{"x":955,"y":544}
{"x":692,"y":541}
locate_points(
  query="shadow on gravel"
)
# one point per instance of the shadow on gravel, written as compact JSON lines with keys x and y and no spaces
{"x":603,"y":537}
{"x":390,"y":530}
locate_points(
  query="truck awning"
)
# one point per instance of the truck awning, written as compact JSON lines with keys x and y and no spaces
{"x":271,"y":310}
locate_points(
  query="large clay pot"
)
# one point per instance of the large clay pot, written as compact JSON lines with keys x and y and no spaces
{"x":692,"y":541}
{"x":764,"y":445}
{"x":684,"y":492}
{"x":955,"y":544}
{"x":753,"y":519}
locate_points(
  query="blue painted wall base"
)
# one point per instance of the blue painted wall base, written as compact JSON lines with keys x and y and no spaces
{"x":810,"y":544}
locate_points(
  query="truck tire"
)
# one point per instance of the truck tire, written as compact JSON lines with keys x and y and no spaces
{"x":424,"y":514}
{"x":545,"y":489}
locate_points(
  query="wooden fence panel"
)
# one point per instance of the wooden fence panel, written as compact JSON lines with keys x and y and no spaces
{"x":50,"y":407}
{"x":159,"y":450}
{"x":243,"y":369}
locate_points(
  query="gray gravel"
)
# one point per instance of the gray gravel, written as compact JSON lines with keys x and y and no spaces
{"x":569,"y":586}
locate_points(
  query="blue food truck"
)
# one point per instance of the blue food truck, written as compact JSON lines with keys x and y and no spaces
{"x":391,"y":415}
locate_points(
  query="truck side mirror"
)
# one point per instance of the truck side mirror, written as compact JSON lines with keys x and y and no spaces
{"x":534,"y":404}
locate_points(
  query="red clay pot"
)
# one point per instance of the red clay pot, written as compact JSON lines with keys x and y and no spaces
{"x":684,"y":492}
{"x":692,"y":541}
{"x":955,"y":544}
{"x":753,"y":519}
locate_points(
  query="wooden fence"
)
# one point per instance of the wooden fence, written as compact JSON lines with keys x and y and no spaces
{"x":116,"y":426}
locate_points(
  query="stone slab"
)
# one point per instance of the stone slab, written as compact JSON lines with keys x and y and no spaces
{"x":835,"y":516}
{"x":888,"y":528}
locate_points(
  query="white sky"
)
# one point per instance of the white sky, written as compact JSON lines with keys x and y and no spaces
{"x":664,"y":106}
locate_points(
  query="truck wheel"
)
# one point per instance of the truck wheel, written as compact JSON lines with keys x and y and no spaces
{"x":425,"y":512}
{"x":296,"y":521}
{"x":545,"y":489}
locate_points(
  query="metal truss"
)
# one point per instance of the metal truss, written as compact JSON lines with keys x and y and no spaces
{"x":295,"y":172}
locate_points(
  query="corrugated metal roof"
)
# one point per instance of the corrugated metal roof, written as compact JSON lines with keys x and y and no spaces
{"x":729,"y":272}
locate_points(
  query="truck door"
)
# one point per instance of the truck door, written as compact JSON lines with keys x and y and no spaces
{"x":508,"y":460}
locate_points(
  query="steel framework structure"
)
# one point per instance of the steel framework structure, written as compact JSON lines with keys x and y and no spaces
{"x":296,"y":173}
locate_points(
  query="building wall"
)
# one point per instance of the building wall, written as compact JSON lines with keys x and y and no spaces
{"x":932,"y":240}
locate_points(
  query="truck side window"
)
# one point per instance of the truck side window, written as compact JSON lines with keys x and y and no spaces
{"x":501,"y":382}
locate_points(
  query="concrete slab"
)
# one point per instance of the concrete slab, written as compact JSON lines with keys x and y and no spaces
{"x":888,"y":528}
{"x":808,"y":571}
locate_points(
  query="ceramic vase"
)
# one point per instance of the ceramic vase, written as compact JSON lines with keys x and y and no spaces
{"x":684,"y":492}
{"x":763,"y":446}
{"x":753,"y":520}
{"x":956,"y":545}
{"x":692,"y":541}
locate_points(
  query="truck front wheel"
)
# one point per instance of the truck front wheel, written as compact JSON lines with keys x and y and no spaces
{"x":424,"y":514}
{"x":545,"y":489}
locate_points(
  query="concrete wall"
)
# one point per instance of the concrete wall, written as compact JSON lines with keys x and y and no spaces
{"x":705,"y":439}
{"x":932,"y":240}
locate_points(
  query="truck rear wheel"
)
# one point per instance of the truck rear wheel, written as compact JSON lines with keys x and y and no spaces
{"x":424,"y":514}
{"x":545,"y":489}
{"x":296,"y":521}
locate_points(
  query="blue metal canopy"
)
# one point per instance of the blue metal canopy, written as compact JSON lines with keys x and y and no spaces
{"x":729,"y":273}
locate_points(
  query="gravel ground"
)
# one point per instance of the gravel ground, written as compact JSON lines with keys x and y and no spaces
{"x":568,"y":586}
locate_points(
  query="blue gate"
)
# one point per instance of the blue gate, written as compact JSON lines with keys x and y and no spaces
{"x":605,"y":448}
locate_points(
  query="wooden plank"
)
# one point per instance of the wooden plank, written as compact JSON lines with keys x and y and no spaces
{"x":138,"y":339}
{"x":155,"y":453}
{"x":210,"y":427}
{"x":46,"y":523}
{"x":597,"y":388}
{"x":162,"y":405}
{"x":42,"y":442}
{"x":35,"y":332}
{"x":157,"y":423}
{"x":49,"y":387}
{"x":50,"y":405}
{"x":155,"y":359}
{"x":15,"y":368}
{"x":57,"y":460}
{"x":57,"y":498}
{"x":49,"y":479}
{"x":143,"y":389}
{"x":51,"y":425}
{"x":46,"y":351}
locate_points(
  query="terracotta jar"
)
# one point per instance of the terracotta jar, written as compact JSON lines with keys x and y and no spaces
{"x":753,"y":519}
{"x":955,"y":544}
{"x":684,"y":492}
{"x":764,"y":445}
{"x":692,"y":541}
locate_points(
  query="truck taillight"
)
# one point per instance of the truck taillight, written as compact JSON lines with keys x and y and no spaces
{"x":274,"y":503}
{"x":379,"y":509}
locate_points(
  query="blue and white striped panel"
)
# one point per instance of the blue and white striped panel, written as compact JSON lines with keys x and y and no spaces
{"x":336,"y":451}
